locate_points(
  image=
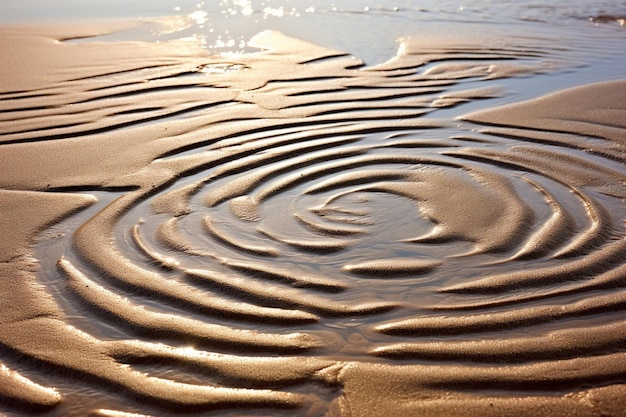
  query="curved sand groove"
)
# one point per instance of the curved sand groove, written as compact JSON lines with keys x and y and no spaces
{"x":595,"y":233}
{"x":256,"y":370}
{"x":169,"y":235}
{"x":247,"y":205}
{"x":318,"y":245}
{"x":554,"y":230}
{"x":165,"y":261}
{"x":549,"y":115}
{"x":554,"y":375}
{"x":16,"y":387}
{"x":500,"y":213}
{"x":308,"y":174}
{"x":232,"y":241}
{"x":283,"y":297}
{"x":151,"y":322}
{"x":560,"y":344}
{"x":298,"y":278}
{"x":96,"y":361}
{"x":357,"y":178}
{"x":503,"y":320}
{"x":613,"y":279}
{"x":595,"y":263}
{"x":597,"y":216}
{"x":246,"y":183}
{"x":92,"y":243}
{"x":316,"y":225}
{"x":286,"y":154}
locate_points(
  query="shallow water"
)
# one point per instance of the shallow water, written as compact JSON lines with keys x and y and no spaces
{"x":367,"y":210}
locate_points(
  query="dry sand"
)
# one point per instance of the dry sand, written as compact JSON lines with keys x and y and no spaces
{"x":286,"y":231}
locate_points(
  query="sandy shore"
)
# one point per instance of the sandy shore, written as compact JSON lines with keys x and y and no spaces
{"x":291,"y":232}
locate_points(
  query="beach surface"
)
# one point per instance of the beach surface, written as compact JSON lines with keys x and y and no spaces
{"x":290,"y":230}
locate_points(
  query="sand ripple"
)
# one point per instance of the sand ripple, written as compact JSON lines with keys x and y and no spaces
{"x":279,"y":234}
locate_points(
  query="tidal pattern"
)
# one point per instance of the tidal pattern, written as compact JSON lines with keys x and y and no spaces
{"x":272,"y":234}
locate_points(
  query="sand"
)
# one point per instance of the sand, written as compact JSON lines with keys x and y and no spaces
{"x":288,"y":232}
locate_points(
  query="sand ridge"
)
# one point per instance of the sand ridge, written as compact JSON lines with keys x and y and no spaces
{"x":306,"y":233}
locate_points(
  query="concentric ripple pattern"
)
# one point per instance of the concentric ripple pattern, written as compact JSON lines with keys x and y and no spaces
{"x":290,"y":226}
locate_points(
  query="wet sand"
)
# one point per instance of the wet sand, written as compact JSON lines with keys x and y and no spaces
{"x":290,"y":232}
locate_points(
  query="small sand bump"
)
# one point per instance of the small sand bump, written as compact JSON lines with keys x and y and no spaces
{"x":393,"y":267}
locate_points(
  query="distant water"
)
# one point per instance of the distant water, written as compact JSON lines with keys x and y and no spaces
{"x":352,"y":220}
{"x":366,"y":29}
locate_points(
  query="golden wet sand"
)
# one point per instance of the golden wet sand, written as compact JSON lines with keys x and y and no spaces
{"x":289,"y":232}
